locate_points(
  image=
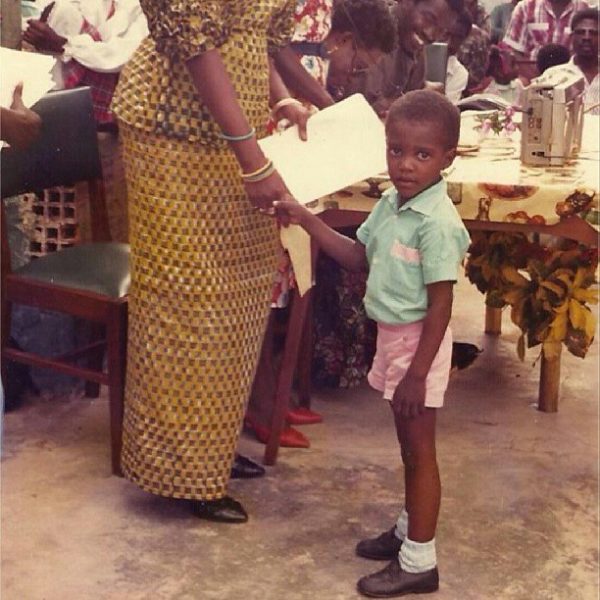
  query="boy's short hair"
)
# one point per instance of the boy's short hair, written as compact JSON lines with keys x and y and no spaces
{"x":585,"y":13}
{"x":427,"y":106}
{"x":551,"y":55}
{"x":370,"y":21}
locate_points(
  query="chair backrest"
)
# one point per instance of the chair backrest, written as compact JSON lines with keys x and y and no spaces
{"x":66,"y":152}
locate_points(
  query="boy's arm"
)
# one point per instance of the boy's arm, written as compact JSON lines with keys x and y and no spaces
{"x":409,"y":397}
{"x":349,"y":253}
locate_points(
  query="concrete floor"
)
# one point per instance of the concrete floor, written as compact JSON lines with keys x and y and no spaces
{"x":519,"y":516}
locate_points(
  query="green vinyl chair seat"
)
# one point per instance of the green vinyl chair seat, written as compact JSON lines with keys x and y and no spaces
{"x":102,"y":268}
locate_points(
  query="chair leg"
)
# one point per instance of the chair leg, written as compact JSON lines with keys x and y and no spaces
{"x":116,"y":334}
{"x":92,"y":389}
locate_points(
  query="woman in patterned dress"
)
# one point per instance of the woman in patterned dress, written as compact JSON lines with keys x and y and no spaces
{"x":191,"y":104}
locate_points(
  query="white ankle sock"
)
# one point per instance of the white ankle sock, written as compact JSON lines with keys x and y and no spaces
{"x":402,"y":525}
{"x":417,"y":557}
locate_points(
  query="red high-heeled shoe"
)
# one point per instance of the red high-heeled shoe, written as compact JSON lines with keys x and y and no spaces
{"x":290,"y":437}
{"x":303,"y":416}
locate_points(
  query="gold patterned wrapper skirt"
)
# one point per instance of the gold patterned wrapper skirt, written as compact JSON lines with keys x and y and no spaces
{"x":202,"y":264}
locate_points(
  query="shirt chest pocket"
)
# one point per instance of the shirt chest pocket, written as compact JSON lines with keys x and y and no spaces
{"x":405,"y":254}
{"x":539,"y":32}
{"x":402,"y":278}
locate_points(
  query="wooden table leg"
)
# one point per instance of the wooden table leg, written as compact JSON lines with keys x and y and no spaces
{"x":304,"y":370}
{"x":493,"y":320}
{"x":293,"y":338}
{"x":549,"y":383}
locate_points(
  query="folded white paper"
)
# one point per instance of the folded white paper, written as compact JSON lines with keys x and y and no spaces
{"x":346,"y":144}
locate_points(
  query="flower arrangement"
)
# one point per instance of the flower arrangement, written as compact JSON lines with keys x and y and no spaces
{"x":500,"y":121}
{"x":548,"y":290}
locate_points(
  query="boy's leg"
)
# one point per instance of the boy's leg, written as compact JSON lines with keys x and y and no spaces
{"x":421,"y":475}
{"x":414,"y":571}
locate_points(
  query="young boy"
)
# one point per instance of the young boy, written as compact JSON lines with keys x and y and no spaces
{"x":412,"y":244}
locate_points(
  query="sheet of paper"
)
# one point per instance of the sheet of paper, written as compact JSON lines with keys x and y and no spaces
{"x":33,"y":69}
{"x":346,"y":144}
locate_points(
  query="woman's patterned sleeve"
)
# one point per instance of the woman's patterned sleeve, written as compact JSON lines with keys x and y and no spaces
{"x":183,"y":29}
{"x":282,"y":26}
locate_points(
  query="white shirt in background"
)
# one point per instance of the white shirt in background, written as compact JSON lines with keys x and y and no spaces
{"x":591,"y":93}
{"x":457,"y":78}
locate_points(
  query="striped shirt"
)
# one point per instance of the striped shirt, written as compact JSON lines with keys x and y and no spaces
{"x":533,"y":25}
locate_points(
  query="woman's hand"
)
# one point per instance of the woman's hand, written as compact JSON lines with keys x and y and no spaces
{"x":409,"y":397}
{"x":263,"y":193}
{"x":296,"y":114}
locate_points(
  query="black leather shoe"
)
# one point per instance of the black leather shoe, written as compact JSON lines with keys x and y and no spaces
{"x":244,"y":468}
{"x":384,"y":547}
{"x":393,"y":581}
{"x":223,"y":510}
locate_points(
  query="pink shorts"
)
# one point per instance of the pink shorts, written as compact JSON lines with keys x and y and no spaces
{"x":396,"y":346}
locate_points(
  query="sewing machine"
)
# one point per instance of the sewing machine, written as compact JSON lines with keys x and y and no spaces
{"x":552,"y":117}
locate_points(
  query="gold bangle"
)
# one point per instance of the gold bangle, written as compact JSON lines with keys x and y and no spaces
{"x":262,"y":176}
{"x":265,"y":167}
{"x":283,"y":102}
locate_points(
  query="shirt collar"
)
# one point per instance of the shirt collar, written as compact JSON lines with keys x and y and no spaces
{"x":568,"y":9}
{"x":425,"y":202}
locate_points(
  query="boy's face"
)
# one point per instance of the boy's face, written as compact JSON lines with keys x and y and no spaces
{"x":416,"y":154}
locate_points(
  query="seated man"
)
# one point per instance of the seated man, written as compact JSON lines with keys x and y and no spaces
{"x":419,"y":22}
{"x":536,"y":23}
{"x":584,"y":40}
{"x":93,"y":40}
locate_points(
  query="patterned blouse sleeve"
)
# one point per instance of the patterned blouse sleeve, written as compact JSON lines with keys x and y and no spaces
{"x":183,"y":29}
{"x":282,"y":26}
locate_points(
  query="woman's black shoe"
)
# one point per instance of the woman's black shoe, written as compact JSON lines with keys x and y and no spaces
{"x":244,"y":468}
{"x":223,"y":510}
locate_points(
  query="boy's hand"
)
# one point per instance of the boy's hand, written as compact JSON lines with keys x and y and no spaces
{"x":291,"y":212}
{"x":409,"y":397}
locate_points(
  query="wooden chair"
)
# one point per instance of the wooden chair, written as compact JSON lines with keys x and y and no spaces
{"x":89,"y":281}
